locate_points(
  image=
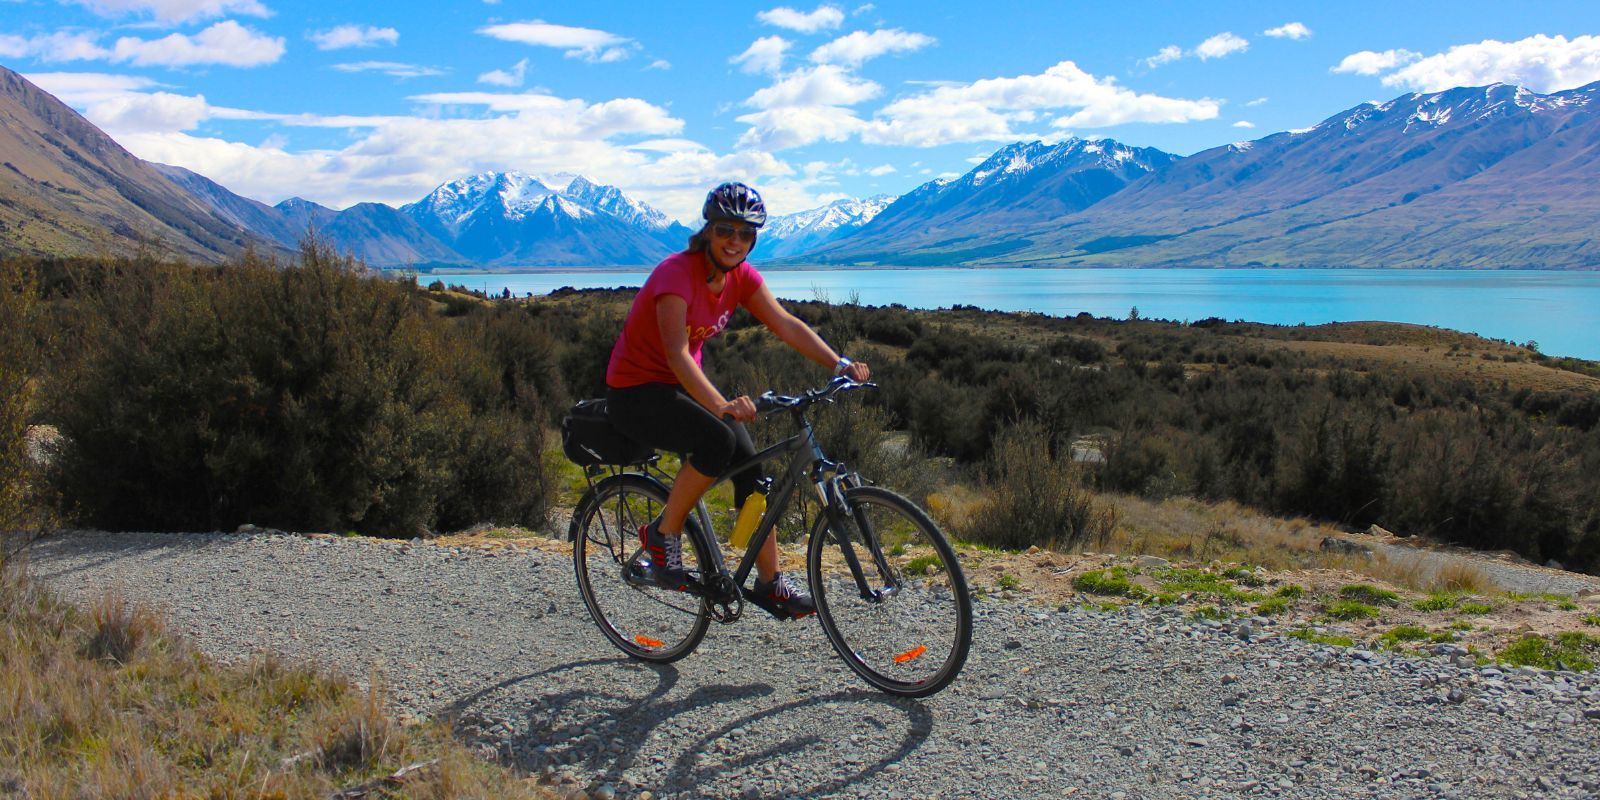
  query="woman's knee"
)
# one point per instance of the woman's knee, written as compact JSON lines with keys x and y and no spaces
{"x":714,"y":452}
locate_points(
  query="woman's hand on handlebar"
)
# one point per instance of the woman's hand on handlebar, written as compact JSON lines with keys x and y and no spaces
{"x":741,"y":408}
{"x":858,"y":371}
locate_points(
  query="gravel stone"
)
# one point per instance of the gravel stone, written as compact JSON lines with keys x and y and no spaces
{"x":1137,"y":703}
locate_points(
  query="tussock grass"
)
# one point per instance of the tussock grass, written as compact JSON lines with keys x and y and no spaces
{"x":1573,"y":650}
{"x":1350,"y":609}
{"x":110,"y":703}
{"x":1365,"y":593}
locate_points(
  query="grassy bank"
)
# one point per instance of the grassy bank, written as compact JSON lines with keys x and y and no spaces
{"x":108,"y":702}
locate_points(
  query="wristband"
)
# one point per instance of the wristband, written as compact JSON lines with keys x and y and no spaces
{"x":842,"y":365}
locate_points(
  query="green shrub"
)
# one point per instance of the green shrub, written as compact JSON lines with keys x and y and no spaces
{"x":1293,"y":591}
{"x":1591,"y":619}
{"x":1309,"y":635}
{"x":924,"y":565}
{"x":1475,"y":609}
{"x":18,"y":311}
{"x":1111,"y":582}
{"x":1197,"y":581}
{"x":312,"y":397}
{"x":1244,"y":576}
{"x":1404,"y":634}
{"x":1435,"y":602}
{"x":1349,"y":609}
{"x":1035,"y":495}
{"x":1008,"y":582}
{"x":1575,"y":651}
{"x":1364,"y":593}
{"x":1272,"y":606}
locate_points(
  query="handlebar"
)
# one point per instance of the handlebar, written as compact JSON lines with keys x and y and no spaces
{"x":769,"y":401}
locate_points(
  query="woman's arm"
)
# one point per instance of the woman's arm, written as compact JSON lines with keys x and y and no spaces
{"x":799,"y":335}
{"x":672,"y":319}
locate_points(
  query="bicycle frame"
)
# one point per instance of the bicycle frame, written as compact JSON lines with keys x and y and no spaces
{"x":807,"y":462}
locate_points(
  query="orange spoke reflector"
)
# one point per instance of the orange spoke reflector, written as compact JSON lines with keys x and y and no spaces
{"x":912,"y":654}
{"x":648,"y":642}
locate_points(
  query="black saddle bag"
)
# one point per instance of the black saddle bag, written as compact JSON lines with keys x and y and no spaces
{"x":588,"y":438}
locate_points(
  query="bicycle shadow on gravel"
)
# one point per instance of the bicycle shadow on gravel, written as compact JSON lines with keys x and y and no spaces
{"x":603,"y":720}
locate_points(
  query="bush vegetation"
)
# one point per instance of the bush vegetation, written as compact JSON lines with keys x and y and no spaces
{"x":310,"y":397}
{"x":18,"y":349}
{"x":387,"y":407}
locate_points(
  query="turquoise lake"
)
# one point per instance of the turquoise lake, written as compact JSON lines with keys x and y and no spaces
{"x":1559,"y":310}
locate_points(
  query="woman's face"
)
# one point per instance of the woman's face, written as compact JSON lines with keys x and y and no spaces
{"x":730,"y":242}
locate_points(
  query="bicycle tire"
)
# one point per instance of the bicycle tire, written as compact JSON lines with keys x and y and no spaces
{"x":645,"y":621}
{"x":913,"y":642}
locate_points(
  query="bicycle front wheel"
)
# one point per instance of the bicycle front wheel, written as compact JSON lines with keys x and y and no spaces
{"x":640,"y":618}
{"x":890,"y":593}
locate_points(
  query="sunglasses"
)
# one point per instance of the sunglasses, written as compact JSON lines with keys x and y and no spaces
{"x":727,"y":231}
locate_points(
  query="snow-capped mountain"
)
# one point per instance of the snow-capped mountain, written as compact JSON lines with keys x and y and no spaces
{"x":1488,"y":177}
{"x":1019,"y":183}
{"x":1482,"y":177}
{"x":796,"y":233}
{"x":507,"y":218}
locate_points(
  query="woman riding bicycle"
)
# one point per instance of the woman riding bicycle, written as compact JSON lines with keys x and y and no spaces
{"x":657,"y":393}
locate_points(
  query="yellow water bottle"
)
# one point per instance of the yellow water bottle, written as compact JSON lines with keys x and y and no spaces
{"x":749,"y":517}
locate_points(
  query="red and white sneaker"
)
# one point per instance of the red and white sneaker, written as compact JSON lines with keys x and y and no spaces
{"x":666,"y":558}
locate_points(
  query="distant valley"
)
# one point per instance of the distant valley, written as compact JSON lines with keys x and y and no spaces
{"x":1490,"y":177}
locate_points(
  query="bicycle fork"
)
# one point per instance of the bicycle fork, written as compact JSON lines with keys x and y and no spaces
{"x":840,"y":511}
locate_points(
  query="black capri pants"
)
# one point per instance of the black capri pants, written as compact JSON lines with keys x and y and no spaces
{"x":665,"y":417}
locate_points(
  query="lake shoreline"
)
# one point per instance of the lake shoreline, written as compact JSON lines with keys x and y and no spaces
{"x":1549,"y":309}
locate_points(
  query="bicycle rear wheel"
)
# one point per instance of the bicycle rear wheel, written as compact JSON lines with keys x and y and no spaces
{"x":640,"y":618}
{"x":908,"y":633}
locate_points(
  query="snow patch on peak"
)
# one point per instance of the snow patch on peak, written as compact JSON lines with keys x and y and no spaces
{"x":1241,"y":147}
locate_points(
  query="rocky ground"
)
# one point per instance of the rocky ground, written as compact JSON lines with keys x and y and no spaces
{"x":1058,"y":699}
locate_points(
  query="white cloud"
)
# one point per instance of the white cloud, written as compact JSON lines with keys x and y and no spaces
{"x":825,"y":85}
{"x":763,"y":55}
{"x":1259,"y":101}
{"x":1222,"y":44}
{"x":856,"y":48}
{"x":158,"y":111}
{"x":806,"y":106}
{"x":1166,"y":55}
{"x":1540,"y":63}
{"x":795,"y":126}
{"x":354,"y":36}
{"x":661,"y":64}
{"x":985,"y":110}
{"x":86,"y":88}
{"x":1371,"y":62}
{"x":1244,"y":124}
{"x":623,"y":142}
{"x":175,"y":11}
{"x":54,"y":47}
{"x":393,"y":68}
{"x":226,"y":43}
{"x":510,"y":78}
{"x":595,"y":46}
{"x":823,"y":18}
{"x":1289,"y":30}
{"x":882,"y":170}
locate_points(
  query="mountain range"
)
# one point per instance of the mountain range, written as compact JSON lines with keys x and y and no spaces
{"x":1488,"y":177}
{"x":1484,"y":177}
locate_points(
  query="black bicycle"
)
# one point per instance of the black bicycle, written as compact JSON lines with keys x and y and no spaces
{"x":889,"y":588}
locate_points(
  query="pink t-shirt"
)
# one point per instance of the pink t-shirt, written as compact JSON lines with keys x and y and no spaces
{"x":638,"y":357}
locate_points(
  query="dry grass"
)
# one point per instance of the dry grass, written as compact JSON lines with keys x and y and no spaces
{"x":109,"y":703}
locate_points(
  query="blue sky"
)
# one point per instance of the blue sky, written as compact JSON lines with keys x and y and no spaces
{"x":364,"y":101}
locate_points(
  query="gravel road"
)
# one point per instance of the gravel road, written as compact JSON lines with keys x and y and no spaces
{"x":1130,"y":704}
